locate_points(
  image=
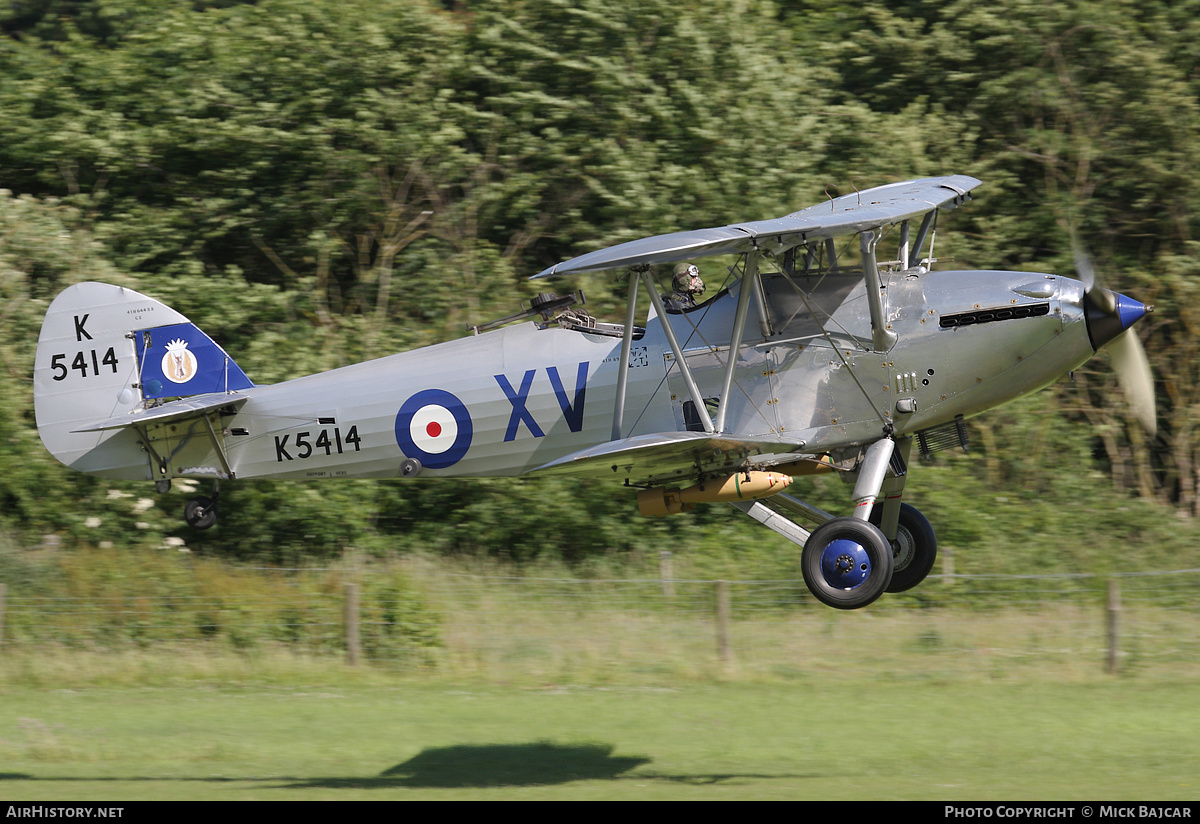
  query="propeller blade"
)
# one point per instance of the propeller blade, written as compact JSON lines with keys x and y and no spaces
{"x":1110,"y":318}
{"x":1083,"y":266}
{"x":1103,"y":298}
{"x":1137,"y":382}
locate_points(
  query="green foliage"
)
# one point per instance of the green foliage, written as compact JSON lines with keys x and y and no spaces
{"x":289,"y":524}
{"x":114,"y":597}
{"x":396,"y":622}
{"x":42,"y":250}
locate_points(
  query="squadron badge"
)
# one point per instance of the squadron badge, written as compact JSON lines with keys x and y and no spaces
{"x":179,"y":364}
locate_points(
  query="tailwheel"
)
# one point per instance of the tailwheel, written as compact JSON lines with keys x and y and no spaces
{"x":200,"y":512}
{"x":914,"y":550}
{"x":847,"y":563}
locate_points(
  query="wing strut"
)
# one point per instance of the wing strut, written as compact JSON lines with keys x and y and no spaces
{"x":623,"y":368}
{"x":764,"y":314}
{"x":749,"y":285}
{"x":684,"y":369}
{"x":882,"y":338}
{"x":915,"y":255}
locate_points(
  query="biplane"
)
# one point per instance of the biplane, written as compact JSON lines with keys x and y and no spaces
{"x":833,"y":346}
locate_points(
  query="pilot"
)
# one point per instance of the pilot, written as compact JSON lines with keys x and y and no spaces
{"x":685,"y":286}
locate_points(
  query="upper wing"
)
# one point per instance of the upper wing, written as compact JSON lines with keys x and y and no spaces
{"x":665,"y":456}
{"x":847,"y":214}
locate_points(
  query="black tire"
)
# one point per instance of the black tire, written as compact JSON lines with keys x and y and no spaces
{"x":914,"y":551}
{"x":200,"y":512}
{"x":849,"y":574}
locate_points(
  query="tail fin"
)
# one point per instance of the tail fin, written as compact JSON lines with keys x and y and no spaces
{"x":106,"y":350}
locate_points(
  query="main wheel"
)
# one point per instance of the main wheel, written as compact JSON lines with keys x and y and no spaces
{"x":847,"y":563}
{"x":915,"y":549}
{"x":200,"y":512}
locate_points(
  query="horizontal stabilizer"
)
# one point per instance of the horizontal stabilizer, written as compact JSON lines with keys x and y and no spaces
{"x":664,"y":456}
{"x":184,"y":409}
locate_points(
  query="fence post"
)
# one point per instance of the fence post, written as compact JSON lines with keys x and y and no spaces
{"x":666,"y":572}
{"x":351,"y":621}
{"x":3,"y":592}
{"x":1114,"y":628}
{"x":723,"y":623}
{"x":947,"y":555}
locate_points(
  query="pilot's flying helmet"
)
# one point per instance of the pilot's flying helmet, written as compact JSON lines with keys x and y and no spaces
{"x":686,"y":280}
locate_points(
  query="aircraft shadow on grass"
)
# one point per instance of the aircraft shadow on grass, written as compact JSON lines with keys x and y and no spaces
{"x":496,"y":765}
{"x":515,"y":765}
{"x":473,"y":766}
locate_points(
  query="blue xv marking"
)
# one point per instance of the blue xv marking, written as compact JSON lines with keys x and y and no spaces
{"x":572,"y":413}
{"x":519,"y":398}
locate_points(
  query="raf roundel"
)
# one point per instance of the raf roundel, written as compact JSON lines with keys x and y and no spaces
{"x":434,"y":427}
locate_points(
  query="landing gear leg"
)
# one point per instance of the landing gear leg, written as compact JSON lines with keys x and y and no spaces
{"x":886,"y":512}
{"x":872,"y":474}
{"x":914,"y":545}
{"x":201,"y":512}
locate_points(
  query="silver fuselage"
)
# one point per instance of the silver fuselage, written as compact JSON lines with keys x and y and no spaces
{"x":533,"y":393}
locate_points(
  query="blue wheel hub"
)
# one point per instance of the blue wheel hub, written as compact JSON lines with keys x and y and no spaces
{"x":845,"y":563}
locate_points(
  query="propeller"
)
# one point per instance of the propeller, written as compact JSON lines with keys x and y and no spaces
{"x":1110,"y":320}
{"x":1133,"y":371}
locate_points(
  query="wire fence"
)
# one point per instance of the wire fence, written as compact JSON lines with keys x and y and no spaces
{"x":560,"y":629}
{"x":1079,"y":625}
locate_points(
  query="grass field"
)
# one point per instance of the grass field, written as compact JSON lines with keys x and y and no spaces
{"x":548,"y":687}
{"x":297,"y":730}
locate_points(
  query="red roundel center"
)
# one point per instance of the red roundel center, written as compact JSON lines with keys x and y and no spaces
{"x":433,"y":429}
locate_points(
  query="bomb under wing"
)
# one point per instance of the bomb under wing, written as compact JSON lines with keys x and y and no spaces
{"x":740,"y":486}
